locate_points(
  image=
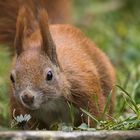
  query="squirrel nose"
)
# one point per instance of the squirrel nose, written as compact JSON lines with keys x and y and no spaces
{"x":27,"y":99}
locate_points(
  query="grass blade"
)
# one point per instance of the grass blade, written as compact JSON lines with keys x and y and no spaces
{"x":130,"y":99}
{"x":107,"y":104}
{"x":91,"y":116}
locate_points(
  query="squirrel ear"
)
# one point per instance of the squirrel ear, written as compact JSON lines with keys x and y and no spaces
{"x":48,"y":45}
{"x":19,"y":31}
{"x":25,"y":26}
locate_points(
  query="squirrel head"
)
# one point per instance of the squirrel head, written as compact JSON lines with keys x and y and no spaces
{"x":36,"y":76}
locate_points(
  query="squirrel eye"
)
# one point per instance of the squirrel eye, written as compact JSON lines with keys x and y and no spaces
{"x":12,"y":78}
{"x":49,"y":76}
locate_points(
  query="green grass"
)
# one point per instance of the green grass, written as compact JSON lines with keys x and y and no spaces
{"x":117,"y":32}
{"x":128,"y":120}
{"x":4,"y":78}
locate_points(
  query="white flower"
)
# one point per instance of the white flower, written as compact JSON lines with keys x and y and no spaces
{"x":21,"y":118}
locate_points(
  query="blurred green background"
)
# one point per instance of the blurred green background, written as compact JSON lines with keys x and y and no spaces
{"x":114,"y":25}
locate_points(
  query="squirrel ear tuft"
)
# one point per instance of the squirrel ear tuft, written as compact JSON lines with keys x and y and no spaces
{"x":48,"y":45}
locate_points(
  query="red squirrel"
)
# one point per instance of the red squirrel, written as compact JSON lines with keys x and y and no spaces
{"x":54,"y":66}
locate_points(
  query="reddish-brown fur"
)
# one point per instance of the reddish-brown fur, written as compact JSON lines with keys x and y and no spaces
{"x":83,"y":75}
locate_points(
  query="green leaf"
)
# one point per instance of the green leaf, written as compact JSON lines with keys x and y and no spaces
{"x":83,"y":126}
